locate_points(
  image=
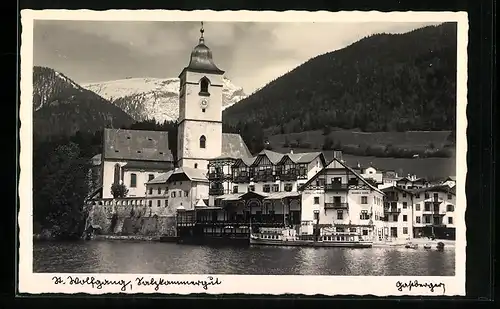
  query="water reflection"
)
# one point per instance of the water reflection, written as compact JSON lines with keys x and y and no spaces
{"x":160,"y":258}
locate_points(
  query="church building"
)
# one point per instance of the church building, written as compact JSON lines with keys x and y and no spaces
{"x":136,"y":157}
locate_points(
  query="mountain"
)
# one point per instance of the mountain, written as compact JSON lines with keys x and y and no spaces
{"x":154,"y":98}
{"x":62,"y":107}
{"x":384,"y":82}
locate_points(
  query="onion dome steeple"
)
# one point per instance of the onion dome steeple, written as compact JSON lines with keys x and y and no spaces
{"x":201,"y":58}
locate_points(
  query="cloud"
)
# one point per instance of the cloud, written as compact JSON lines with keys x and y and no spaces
{"x":252,"y":54}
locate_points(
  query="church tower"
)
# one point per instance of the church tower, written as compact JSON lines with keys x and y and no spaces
{"x":200,"y":109}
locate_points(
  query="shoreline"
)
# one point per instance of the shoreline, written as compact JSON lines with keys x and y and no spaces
{"x":448,"y":244}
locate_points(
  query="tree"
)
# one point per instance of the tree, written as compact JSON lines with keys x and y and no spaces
{"x":59,"y":191}
{"x":327,"y":143}
{"x":119,"y":190}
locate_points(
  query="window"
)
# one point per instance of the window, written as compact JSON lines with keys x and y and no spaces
{"x":172,"y":194}
{"x":340,"y":215}
{"x":117,"y":173}
{"x":417,"y":207}
{"x":203,"y":141}
{"x":150,"y":203}
{"x":202,"y":110}
{"x":450,"y":220}
{"x":427,"y":219}
{"x":235,"y":189}
{"x":417,"y":219}
{"x":405,"y":218}
{"x":186,"y":193}
{"x":267,"y":188}
{"x":196,"y":165}
{"x":316,"y":216}
{"x":288,"y":187}
{"x":204,"y":85}
{"x":276,"y":188}
{"x":364,"y":215}
{"x":365,"y":232}
{"x":449,"y":196}
{"x":405,"y":230}
{"x":449,"y":207}
{"x":151,"y":177}
{"x":133,"y":180}
{"x":426,"y":195}
{"x":405,"y":205}
{"x":316,"y":200}
{"x":404,"y":194}
{"x":150,"y":191}
{"x":251,"y":188}
{"x":364,"y":200}
{"x":395,"y":218}
{"x":417,"y":195}
{"x":166,"y":203}
{"x":436,"y":196}
{"x":158,"y":203}
{"x":427,"y":206}
{"x":159,"y":190}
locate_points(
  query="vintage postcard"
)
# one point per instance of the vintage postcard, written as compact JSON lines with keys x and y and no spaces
{"x":310,"y":153}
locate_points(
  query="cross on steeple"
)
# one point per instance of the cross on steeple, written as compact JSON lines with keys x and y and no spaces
{"x":202,"y":39}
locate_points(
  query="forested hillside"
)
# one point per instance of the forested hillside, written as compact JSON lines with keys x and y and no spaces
{"x":385,"y":82}
{"x":62,"y":107}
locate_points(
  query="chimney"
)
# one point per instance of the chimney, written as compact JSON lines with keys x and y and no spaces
{"x":337,"y":154}
{"x":291,"y":151}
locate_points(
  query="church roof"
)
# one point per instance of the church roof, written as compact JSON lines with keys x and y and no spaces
{"x":233,"y":147}
{"x":148,"y":165}
{"x":201,"y":58}
{"x":120,"y":144}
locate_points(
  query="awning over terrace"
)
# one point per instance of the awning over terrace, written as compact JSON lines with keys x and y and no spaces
{"x":282,"y":195}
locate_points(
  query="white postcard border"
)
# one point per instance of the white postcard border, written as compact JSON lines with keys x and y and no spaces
{"x":35,"y":283}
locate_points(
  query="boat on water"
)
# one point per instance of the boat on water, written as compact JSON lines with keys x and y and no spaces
{"x":289,"y":237}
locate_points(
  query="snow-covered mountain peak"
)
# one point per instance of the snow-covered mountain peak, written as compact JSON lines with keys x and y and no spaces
{"x":154,"y":98}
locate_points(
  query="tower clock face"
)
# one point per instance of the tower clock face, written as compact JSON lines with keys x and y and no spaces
{"x":204,"y":103}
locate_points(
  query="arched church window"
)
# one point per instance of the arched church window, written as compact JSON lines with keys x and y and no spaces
{"x":203,"y":141}
{"x":117,"y":173}
{"x":204,"y":82}
{"x":196,"y":165}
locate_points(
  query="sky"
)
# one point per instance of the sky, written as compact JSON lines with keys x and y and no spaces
{"x":252,"y":54}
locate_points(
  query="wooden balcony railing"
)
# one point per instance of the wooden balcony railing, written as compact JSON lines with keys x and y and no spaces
{"x":392,"y":210}
{"x":336,"y":205}
{"x":241,"y":178}
{"x":335,"y":186}
{"x":216,"y":191}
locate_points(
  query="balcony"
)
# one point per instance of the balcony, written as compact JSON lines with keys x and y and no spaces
{"x":288,"y":176}
{"x":392,"y":198}
{"x":241,"y":179}
{"x":336,"y":205}
{"x":392,"y":210}
{"x":215,"y":176}
{"x":216,"y":191}
{"x":335,"y":186}
{"x":263,"y":178}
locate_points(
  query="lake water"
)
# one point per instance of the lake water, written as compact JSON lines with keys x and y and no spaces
{"x":168,"y":258}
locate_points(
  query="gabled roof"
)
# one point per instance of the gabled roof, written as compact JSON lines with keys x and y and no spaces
{"x":151,"y":165}
{"x":233,"y":147}
{"x":437,"y":188}
{"x":301,"y":188}
{"x":391,"y":188}
{"x":120,"y":144}
{"x":193,"y":174}
{"x":160,"y":179}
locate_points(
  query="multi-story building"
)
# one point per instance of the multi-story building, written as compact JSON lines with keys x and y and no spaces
{"x":339,"y":197}
{"x":182,"y":188}
{"x":398,"y":213}
{"x":434,"y":212}
{"x":412,"y":182}
{"x":373,"y":174}
{"x":261,"y":189}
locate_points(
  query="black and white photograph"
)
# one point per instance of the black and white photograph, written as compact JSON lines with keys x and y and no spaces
{"x":243,"y":152}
